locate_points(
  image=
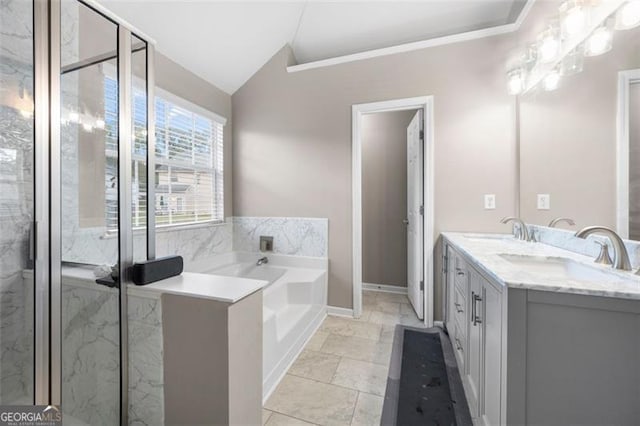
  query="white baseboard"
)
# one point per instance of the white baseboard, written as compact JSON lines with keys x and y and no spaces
{"x":384,"y":288}
{"x":339,"y":312}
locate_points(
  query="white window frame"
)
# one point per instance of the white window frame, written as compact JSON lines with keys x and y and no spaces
{"x":195,"y":109}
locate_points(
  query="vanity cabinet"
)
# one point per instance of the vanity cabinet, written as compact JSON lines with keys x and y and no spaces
{"x":474,"y":322}
{"x":532,"y":356}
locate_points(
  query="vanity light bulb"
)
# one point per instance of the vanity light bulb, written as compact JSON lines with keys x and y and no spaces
{"x":599,"y":42}
{"x":628,"y":16}
{"x":551,"y":81}
{"x":100,"y":124}
{"x":516,"y":83}
{"x":549,"y":48}
{"x":574,"y":21}
{"x":87,"y":127}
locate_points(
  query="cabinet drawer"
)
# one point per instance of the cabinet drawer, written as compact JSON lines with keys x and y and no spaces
{"x":461,"y":273}
{"x":459,"y":348}
{"x":460,"y":311}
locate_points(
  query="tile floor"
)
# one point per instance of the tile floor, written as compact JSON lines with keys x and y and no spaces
{"x":341,"y":375}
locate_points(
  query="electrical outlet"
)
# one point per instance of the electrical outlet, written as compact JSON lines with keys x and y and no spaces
{"x":489,"y":201}
{"x":544,"y":201}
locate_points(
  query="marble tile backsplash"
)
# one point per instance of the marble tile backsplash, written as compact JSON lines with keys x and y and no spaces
{"x":292,"y":236}
{"x":565,"y":239}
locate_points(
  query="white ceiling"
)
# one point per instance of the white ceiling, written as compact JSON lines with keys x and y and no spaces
{"x":226,"y":42}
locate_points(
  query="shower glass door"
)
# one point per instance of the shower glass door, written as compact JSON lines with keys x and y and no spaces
{"x":89,"y":182}
{"x":16,"y":202}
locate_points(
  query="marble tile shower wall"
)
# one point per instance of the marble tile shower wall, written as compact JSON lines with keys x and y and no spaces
{"x":293,"y":236}
{"x":565,"y":239}
{"x":91,"y":355}
{"x":16,"y":202}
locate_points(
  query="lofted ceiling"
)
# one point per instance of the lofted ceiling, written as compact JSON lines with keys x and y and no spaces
{"x":226,"y":42}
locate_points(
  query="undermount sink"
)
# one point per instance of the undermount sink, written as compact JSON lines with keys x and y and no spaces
{"x":558,"y":267}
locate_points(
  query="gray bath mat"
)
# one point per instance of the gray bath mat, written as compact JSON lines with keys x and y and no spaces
{"x":424,"y":385}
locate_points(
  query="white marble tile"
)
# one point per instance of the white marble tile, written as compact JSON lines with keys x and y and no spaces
{"x":313,"y":401}
{"x":358,"y":348}
{"x":362,"y":376}
{"x":291,"y":236}
{"x":315,"y":365}
{"x":350,"y":327}
{"x":368,"y":410}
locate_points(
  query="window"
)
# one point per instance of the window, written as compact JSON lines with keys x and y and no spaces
{"x":189,"y":161}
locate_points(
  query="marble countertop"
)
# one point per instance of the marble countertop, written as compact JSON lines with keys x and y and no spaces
{"x":485,"y":254}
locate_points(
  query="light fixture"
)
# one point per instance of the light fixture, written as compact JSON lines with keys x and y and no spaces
{"x":87,"y":127}
{"x":516,"y":81}
{"x":573,"y":63}
{"x":599,"y":42}
{"x":548,"y":44}
{"x":574,"y":17}
{"x":551,"y":81}
{"x":628,"y":16}
{"x":100,"y":124}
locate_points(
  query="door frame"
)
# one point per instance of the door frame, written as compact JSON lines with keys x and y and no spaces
{"x":357,"y":111}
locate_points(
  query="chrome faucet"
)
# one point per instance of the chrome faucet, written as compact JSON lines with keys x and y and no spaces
{"x":523,"y":232}
{"x":262,"y":261}
{"x":620,"y":255}
{"x":557,"y":220}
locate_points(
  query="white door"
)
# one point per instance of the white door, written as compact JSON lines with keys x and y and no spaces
{"x":414,"y":216}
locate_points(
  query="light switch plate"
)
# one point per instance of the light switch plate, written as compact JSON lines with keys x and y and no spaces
{"x":489,"y":201}
{"x":544,"y":201}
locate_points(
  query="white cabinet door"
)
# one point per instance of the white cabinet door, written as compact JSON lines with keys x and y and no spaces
{"x":492,"y":361}
{"x":474,"y":367}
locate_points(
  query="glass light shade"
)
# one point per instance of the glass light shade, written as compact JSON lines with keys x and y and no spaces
{"x":574,"y":17}
{"x":599,"y":42}
{"x":549,"y":44}
{"x":551,"y":81}
{"x":516,"y":81}
{"x":573,"y":63}
{"x":628,"y":16}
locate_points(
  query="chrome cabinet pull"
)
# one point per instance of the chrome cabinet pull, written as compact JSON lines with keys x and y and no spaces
{"x":460,"y":271}
{"x":473,"y":307}
{"x":476,"y":319}
{"x":458,"y":345}
{"x":459,"y":307}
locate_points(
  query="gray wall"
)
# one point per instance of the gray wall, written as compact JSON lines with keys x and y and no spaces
{"x":292,"y":139}
{"x":384,"y":197}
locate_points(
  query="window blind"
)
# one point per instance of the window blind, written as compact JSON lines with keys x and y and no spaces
{"x":189,"y":162}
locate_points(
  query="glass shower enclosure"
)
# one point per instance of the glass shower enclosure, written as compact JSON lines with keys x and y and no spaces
{"x":74,"y":166}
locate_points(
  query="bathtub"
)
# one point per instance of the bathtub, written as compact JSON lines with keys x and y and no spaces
{"x":294,"y":304}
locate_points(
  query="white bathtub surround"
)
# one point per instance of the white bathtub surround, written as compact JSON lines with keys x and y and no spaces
{"x":294,"y":304}
{"x":195,"y":243}
{"x":192,"y":242}
{"x":566,"y":240}
{"x":488,"y":256}
{"x":293,"y":236}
